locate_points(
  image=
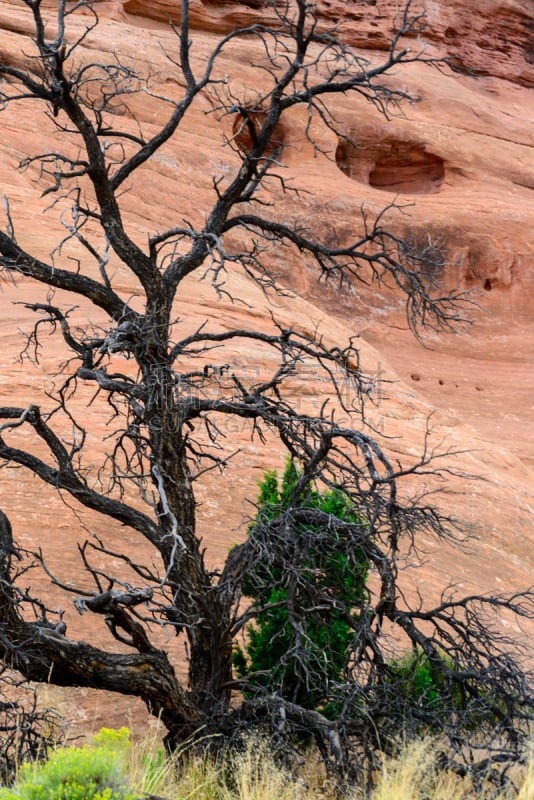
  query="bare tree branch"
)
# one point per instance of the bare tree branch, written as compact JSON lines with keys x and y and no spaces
{"x":167,"y":388}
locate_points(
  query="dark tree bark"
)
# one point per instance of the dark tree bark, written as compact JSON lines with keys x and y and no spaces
{"x":166,"y":412}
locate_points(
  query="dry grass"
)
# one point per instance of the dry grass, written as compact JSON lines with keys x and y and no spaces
{"x":414,"y":775}
{"x":254,"y":775}
{"x":251,"y":775}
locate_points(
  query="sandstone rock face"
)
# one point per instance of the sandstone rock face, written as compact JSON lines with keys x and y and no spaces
{"x":487,"y":37}
{"x":459,"y":162}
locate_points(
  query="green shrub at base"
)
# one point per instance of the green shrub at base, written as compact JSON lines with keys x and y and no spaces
{"x":92,"y":772}
{"x":420,"y":682}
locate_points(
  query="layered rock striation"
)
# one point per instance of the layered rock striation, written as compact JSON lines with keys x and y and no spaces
{"x":457,"y":167}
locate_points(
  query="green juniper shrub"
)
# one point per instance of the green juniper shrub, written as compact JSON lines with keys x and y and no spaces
{"x":312,"y":672}
{"x":306,"y":674}
{"x":420,"y":681}
{"x":440,"y":689}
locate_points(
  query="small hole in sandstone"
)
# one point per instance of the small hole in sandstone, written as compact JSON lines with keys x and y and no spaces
{"x":487,"y":285}
{"x":415,"y":376}
{"x":247,"y":126}
{"x":441,"y":382}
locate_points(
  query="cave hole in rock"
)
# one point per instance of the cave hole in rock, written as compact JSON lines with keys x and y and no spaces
{"x":247,"y":126}
{"x":392,"y":165}
{"x":247,"y":3}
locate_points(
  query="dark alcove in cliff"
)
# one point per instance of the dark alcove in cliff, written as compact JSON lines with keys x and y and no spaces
{"x":392,"y":165}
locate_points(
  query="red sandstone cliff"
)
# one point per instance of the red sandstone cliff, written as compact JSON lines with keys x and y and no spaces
{"x":462,"y":159}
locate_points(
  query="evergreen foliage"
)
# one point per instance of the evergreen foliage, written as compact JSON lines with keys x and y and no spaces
{"x":422,"y":683}
{"x":303,"y":663}
{"x":172,"y":389}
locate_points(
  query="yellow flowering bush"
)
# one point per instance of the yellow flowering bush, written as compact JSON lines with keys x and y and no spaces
{"x":92,"y":772}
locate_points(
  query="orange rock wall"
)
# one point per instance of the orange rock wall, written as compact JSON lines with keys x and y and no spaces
{"x":461,"y":161}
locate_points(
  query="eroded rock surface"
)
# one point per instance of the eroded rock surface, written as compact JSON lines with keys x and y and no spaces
{"x":461,"y":161}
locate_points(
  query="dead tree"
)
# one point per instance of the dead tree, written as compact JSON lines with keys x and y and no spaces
{"x":167,"y":423}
